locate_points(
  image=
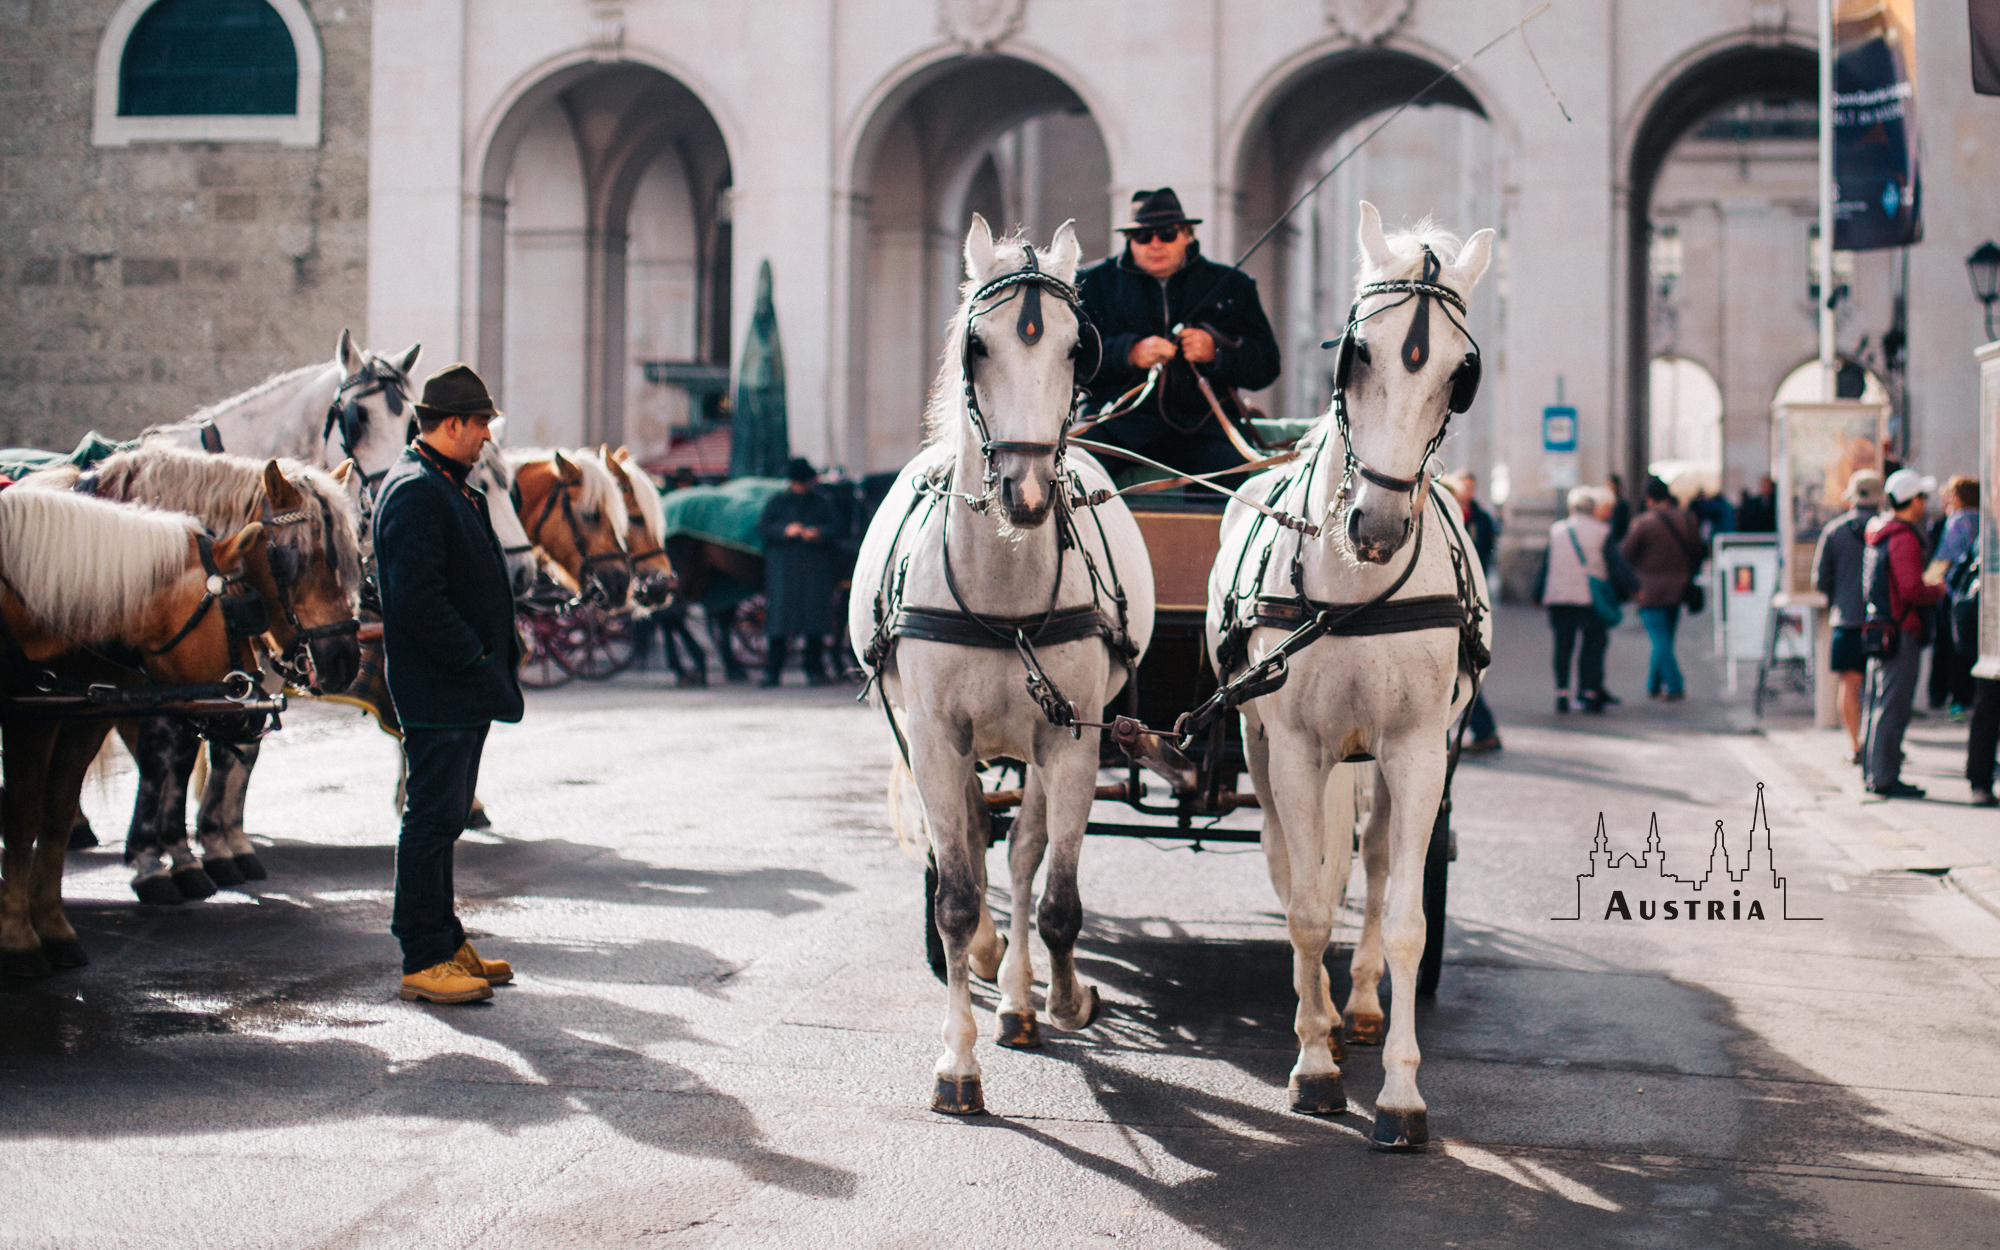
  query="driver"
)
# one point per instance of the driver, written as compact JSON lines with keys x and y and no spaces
{"x":1162,"y":301}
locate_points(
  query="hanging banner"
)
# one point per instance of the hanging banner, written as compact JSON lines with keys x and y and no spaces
{"x":1985,"y":16}
{"x":1876,"y":182}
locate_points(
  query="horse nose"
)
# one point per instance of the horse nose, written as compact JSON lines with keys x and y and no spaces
{"x":1025,"y":500}
{"x":614,"y":582}
{"x":336,"y":662}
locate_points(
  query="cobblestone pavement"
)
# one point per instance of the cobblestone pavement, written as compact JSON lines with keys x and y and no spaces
{"x":723,"y":1028}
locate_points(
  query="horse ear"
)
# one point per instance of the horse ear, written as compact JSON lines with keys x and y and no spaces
{"x":1065,"y":252}
{"x":623,"y":453}
{"x":1473,"y":258}
{"x":408,"y":359}
{"x":568,"y":472}
{"x":245,"y":544}
{"x":1375,"y":251}
{"x":979,"y":257}
{"x":283,"y":495}
{"x":348,"y":356}
{"x":342,"y":470}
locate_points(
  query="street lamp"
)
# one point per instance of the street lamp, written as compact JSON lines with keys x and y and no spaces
{"x":1983,"y":266}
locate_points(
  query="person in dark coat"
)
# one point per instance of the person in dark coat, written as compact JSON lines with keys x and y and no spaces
{"x":1484,"y":731}
{"x":1843,"y":542}
{"x":1161,"y":302}
{"x":800,"y":529}
{"x":452,"y":651}
{"x":1664,"y":548}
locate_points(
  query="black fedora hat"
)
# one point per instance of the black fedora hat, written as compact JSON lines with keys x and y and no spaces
{"x":455,"y":391}
{"x":800,"y":469}
{"x":1158,"y":208}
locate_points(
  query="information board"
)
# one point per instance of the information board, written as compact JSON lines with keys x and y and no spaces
{"x":1746,"y":576}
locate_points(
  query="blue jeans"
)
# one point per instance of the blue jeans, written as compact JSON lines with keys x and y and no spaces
{"x":1663,"y":672}
{"x":444,"y":770}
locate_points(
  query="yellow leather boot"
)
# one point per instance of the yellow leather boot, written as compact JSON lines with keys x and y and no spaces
{"x":444,"y":983}
{"x":492,"y":971}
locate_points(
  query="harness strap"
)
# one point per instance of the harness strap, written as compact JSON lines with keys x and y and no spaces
{"x":211,"y":592}
{"x":211,"y":438}
{"x":962,"y":629}
{"x":1362,"y":620}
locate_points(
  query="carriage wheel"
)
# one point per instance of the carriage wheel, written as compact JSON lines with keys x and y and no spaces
{"x":542,"y":665}
{"x":933,"y":940}
{"x":1437,"y":869}
{"x":607,"y":646}
{"x":749,"y":638}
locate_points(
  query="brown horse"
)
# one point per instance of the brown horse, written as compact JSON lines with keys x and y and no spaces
{"x":80,"y":573}
{"x":573,"y":509}
{"x":645,"y":531}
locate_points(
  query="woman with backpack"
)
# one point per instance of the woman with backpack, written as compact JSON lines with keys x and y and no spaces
{"x":1664,"y":547}
{"x":1575,"y":587}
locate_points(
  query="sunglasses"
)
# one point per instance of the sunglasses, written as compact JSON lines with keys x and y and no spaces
{"x":1165,"y":234}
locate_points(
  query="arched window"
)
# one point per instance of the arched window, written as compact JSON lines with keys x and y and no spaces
{"x":208,"y":71}
{"x":192,"y":57}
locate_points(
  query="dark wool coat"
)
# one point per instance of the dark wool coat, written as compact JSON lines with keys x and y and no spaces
{"x":799,"y":575}
{"x":1127,"y":304}
{"x":1662,"y":548}
{"x":447,"y":608}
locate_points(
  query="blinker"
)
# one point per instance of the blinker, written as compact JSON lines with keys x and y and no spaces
{"x":215,"y":584}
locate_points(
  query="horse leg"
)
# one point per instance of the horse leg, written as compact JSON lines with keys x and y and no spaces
{"x":1413,"y":770}
{"x":149,"y":740}
{"x":1068,"y":785}
{"x":1319,"y":856}
{"x":721,"y":627}
{"x":1365,"y":1022}
{"x":1257,"y":755}
{"x":1026,"y":842}
{"x":988,"y":947}
{"x":226,"y":854}
{"x":943,"y":775}
{"x":74,"y":747}
{"x":183,"y":746}
{"x":29,"y":747}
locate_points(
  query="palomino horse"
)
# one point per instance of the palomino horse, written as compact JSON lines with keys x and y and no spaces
{"x":310,"y":630}
{"x":1396,"y":647}
{"x":645,"y":531}
{"x":80,"y":572}
{"x":999,"y":610}
{"x":573,"y":509}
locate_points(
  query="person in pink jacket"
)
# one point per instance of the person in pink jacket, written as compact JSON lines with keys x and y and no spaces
{"x":1893,"y":536}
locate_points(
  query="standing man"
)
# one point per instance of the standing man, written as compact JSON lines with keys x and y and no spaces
{"x":1664,"y":548}
{"x":1893,"y":579}
{"x":448,"y":630}
{"x":1161,"y":302}
{"x":799,"y":528}
{"x":1837,"y":575}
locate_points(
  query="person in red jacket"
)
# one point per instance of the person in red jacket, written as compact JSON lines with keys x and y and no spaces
{"x":1892,"y":680}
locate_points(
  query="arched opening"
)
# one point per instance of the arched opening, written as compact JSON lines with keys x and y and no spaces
{"x":992,"y":135}
{"x":1722,"y":199}
{"x":1686,"y":428}
{"x":216,"y":57}
{"x":1853,"y":380}
{"x":604,"y":261}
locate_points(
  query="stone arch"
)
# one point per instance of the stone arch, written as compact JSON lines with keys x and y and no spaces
{"x":567,"y":314}
{"x":1704,"y":80}
{"x":1002,"y":135}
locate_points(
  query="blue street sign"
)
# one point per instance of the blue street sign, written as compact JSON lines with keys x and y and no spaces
{"x":1558,"y":428}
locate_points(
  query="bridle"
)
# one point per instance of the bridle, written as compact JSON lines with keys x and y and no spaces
{"x":1030,"y":282}
{"x":376,"y":376}
{"x":561,"y":495}
{"x":286,"y":560}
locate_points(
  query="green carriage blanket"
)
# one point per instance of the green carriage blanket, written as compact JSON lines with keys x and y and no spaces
{"x":18,"y":462}
{"x":726,"y":515}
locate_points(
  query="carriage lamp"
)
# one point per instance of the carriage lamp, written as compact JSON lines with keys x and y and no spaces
{"x":1983,"y":267}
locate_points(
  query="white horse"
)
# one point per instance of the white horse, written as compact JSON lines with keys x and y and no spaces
{"x":1363,"y":692}
{"x":966,"y":547}
{"x":492,"y":474}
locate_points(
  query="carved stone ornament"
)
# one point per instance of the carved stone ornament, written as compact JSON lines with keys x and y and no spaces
{"x":978,"y":25}
{"x":1368,"y":21}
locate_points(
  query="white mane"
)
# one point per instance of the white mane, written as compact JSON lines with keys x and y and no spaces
{"x":1408,"y":247}
{"x":601,"y":492}
{"x":944,"y":415}
{"x":299,"y":375}
{"x":648,"y":496}
{"x":86,"y":568}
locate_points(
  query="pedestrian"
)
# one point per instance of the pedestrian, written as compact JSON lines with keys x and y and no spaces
{"x":452,"y":651}
{"x":1620,"y":515}
{"x":1837,"y":574}
{"x":1956,"y":546}
{"x":1758,"y":513}
{"x":1664,"y":548}
{"x":799,"y":532}
{"x":1896,"y":597}
{"x":1485,"y":532}
{"x":1982,"y":738}
{"x":1575,"y":556}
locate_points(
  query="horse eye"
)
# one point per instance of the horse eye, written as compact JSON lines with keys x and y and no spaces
{"x":1076,"y":350}
{"x":1361,"y":352}
{"x":976,"y":345}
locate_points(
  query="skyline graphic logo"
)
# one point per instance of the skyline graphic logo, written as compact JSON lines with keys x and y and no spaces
{"x":1736,"y":887}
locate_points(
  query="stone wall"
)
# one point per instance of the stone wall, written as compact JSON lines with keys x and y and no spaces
{"x":138,"y":284}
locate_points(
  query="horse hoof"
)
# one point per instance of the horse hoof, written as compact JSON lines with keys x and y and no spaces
{"x":223,"y":871}
{"x":988,"y":970}
{"x":958,"y":1095}
{"x":250,"y":866}
{"x":81,"y":836}
{"x":1336,"y":1047}
{"x":193,"y":883}
{"x":1321,"y":1094}
{"x":1366,"y":1030}
{"x":1090,"y":1013}
{"x":158,"y":891}
{"x":64,"y":953}
{"x":26,"y":965}
{"x":1019,"y":1030}
{"x":1400,"y":1130}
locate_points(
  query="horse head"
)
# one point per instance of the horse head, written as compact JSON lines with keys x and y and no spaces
{"x":492,"y":474}
{"x":1406,"y":364}
{"x":371,"y":418}
{"x":645,"y":531}
{"x":572,"y":510}
{"x":1020,"y":337}
{"x":311,"y":567}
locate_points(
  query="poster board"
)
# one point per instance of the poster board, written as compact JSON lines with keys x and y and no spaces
{"x":1815,"y":448}
{"x":1745,"y":570}
{"x":1988,"y":664}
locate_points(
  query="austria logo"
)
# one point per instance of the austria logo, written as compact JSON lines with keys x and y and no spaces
{"x":1735,"y":888}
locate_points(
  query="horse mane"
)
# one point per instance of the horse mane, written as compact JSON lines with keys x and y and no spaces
{"x":944,"y":414}
{"x":648,"y":496}
{"x":223,"y":492}
{"x":256,"y":392}
{"x":88,"y":568}
{"x":601,"y":492}
{"x":1407,"y":246}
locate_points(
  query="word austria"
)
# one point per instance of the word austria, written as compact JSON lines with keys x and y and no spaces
{"x":1639,"y":887}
